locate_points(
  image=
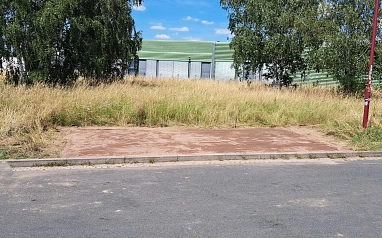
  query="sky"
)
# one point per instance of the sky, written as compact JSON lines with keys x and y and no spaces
{"x":195,"y":20}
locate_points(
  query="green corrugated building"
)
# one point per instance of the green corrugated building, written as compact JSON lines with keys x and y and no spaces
{"x":186,"y":59}
{"x":200,"y":59}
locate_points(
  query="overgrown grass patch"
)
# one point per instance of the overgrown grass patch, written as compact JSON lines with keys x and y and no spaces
{"x":369,"y":139}
{"x":28,"y":115}
{"x":16,"y":153}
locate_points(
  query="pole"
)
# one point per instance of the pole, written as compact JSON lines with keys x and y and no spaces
{"x":189,"y":67}
{"x":371,"y":62}
{"x":212,"y":74}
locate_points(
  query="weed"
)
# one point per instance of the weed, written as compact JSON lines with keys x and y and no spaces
{"x":330,"y":156}
{"x":336,"y":156}
{"x":273,"y":157}
{"x":52,"y":164}
{"x":221,"y":159}
{"x":151,"y":161}
{"x":312,"y":157}
{"x":298,"y":156}
{"x":285,"y":157}
{"x":361,"y":155}
{"x":243,"y":157}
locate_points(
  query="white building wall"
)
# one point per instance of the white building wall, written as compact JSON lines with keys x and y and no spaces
{"x":196,"y":70}
{"x":151,"y":68}
{"x":223,"y":71}
{"x":166,"y":69}
{"x":180,"y":70}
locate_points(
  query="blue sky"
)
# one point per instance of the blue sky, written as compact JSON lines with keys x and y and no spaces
{"x":201,"y":20}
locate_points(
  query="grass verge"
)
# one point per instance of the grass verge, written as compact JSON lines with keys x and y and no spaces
{"x":29,"y":116}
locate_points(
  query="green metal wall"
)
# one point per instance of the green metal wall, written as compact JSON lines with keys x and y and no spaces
{"x":176,"y":50}
{"x":223,"y":52}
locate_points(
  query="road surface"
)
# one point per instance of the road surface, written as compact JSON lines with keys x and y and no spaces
{"x":220,"y":199}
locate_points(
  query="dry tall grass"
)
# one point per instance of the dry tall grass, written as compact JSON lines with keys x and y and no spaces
{"x":27,"y":114}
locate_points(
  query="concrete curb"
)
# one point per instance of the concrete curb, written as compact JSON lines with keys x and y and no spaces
{"x":173,"y":158}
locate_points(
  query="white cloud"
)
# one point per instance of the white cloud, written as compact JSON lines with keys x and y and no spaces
{"x":158,"y":27}
{"x":179,"y":29}
{"x":191,"y":19}
{"x":141,"y":8}
{"x":207,"y":22}
{"x":192,"y":38}
{"x":162,"y":36}
{"x":221,"y":31}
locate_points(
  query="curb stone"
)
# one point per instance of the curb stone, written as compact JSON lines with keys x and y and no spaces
{"x":4,"y":165}
{"x":173,"y":158}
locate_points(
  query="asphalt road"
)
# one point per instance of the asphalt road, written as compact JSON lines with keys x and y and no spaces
{"x":310,"y":199}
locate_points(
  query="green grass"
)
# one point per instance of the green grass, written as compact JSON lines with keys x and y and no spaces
{"x":16,"y":153}
{"x":4,"y":154}
{"x":369,"y":139}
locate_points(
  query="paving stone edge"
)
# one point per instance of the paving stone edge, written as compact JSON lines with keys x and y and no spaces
{"x":174,"y":158}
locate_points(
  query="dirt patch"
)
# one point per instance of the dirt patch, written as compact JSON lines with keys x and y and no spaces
{"x":111,"y":141}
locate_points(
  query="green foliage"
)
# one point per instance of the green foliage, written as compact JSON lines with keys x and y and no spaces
{"x":343,"y":49}
{"x":267,"y":32}
{"x":274,"y":33}
{"x":60,"y":40}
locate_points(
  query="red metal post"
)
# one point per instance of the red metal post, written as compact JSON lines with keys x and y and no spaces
{"x":371,"y":62}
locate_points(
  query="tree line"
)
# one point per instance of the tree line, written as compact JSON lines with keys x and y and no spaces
{"x":289,"y":36}
{"x":56,"y":41}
